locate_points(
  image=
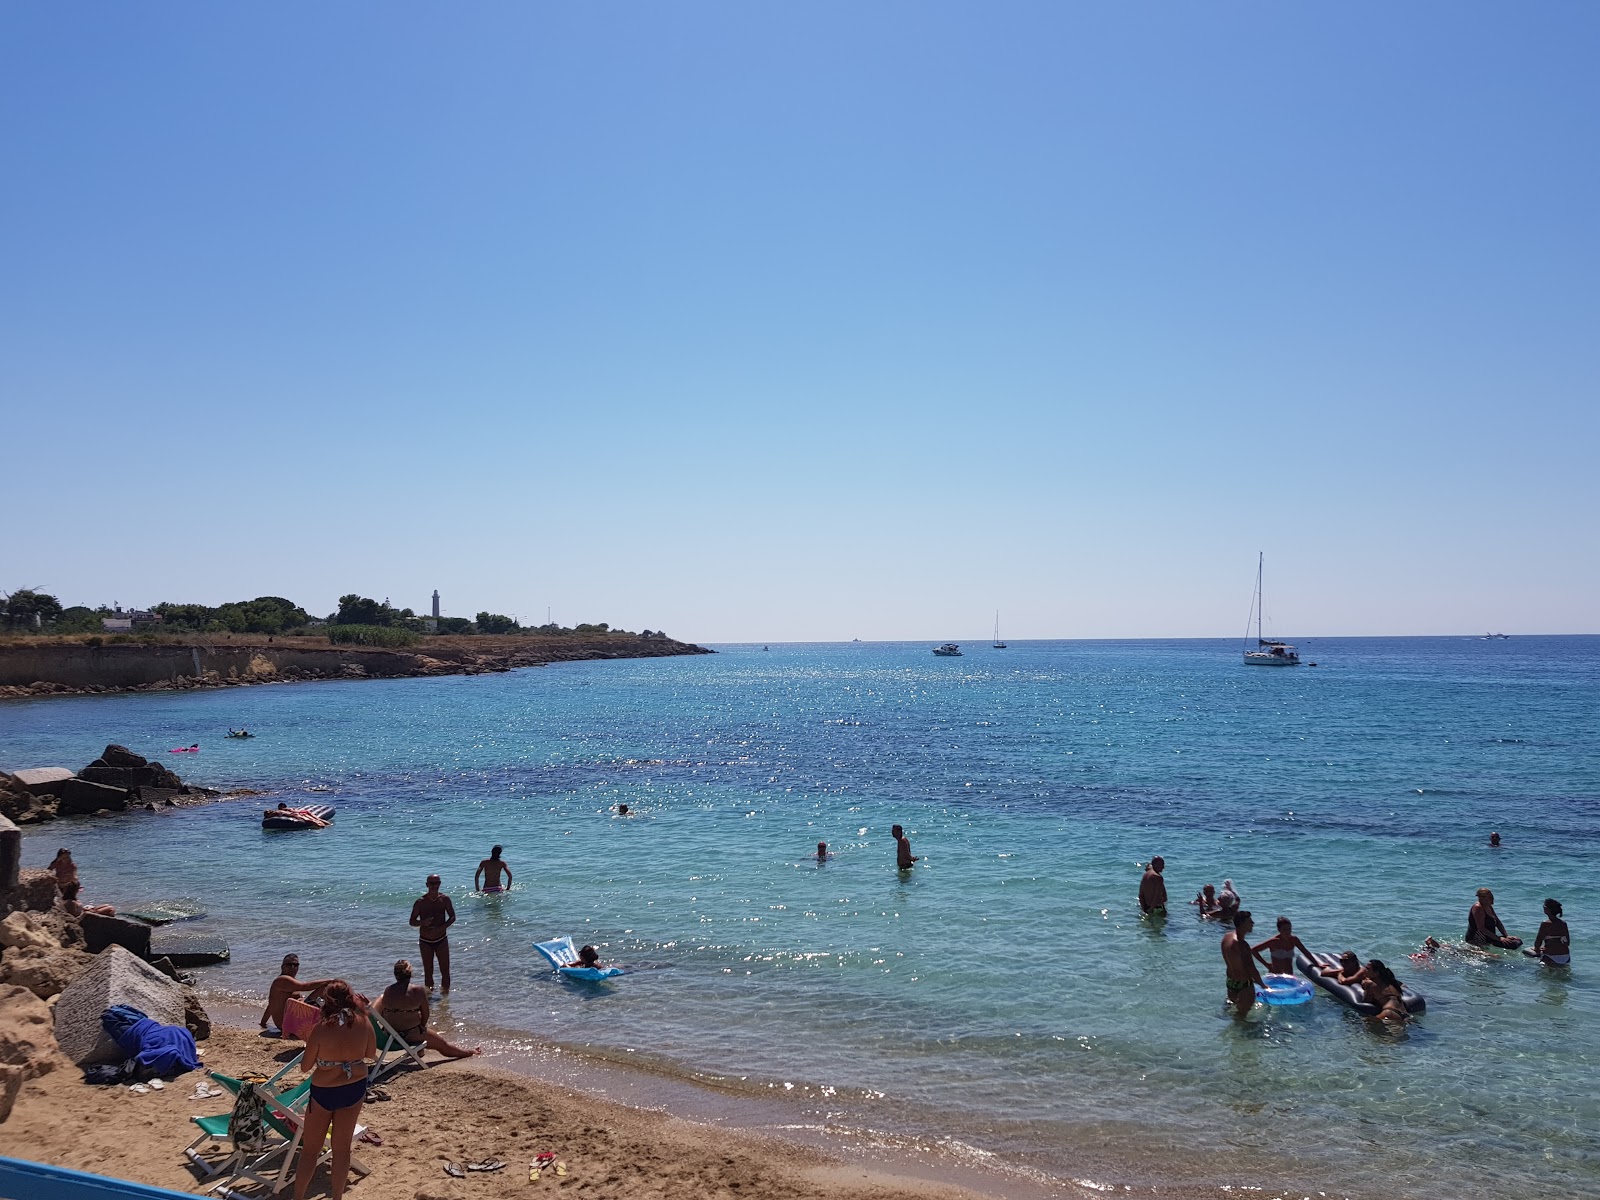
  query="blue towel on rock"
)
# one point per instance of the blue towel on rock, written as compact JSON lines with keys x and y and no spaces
{"x":158,"y":1049}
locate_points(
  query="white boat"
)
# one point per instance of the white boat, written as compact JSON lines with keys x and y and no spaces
{"x":998,"y":644}
{"x":1268,"y":652}
{"x":948,"y":650}
{"x":1496,"y":637}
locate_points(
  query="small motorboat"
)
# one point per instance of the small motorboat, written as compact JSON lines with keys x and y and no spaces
{"x":948,"y":650}
{"x":311,"y":816}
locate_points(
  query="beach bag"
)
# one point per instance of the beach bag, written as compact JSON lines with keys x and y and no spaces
{"x":299,"y":1018}
{"x":247,"y":1125}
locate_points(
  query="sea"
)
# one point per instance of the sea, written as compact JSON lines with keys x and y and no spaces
{"x":1002,"y":1003}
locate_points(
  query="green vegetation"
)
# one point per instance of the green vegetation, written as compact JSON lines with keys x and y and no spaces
{"x":489,"y":622}
{"x":264,"y":614}
{"x":371,"y":635}
{"x":27,"y":608}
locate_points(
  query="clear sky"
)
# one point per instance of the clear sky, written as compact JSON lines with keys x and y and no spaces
{"x":809,"y":321}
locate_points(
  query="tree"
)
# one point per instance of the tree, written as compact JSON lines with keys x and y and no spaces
{"x":359,"y":610}
{"x":26,"y":608}
{"x":77,"y":619}
{"x":496,"y":623}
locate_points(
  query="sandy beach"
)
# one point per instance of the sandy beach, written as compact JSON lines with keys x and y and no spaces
{"x":462,"y":1111}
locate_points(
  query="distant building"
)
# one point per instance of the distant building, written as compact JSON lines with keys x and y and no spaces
{"x":435,"y":604}
{"x":124,"y":622}
{"x":431,"y":624}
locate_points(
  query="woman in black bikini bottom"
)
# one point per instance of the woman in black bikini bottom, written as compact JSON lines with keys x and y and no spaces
{"x":338,"y":1052}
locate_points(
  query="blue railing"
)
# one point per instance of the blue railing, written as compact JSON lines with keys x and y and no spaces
{"x":21,"y":1180}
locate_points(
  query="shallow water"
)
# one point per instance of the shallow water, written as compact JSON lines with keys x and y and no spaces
{"x":1005,"y":992}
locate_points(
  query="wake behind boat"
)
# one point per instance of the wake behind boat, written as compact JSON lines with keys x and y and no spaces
{"x":1268,"y":652}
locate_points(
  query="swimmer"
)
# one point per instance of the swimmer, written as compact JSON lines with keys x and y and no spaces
{"x":1153,"y":889}
{"x":622,"y":810}
{"x":1227,"y":897}
{"x":1206,"y":899}
{"x":1484,"y":927}
{"x":1243,"y":978}
{"x":1494,"y":840}
{"x":487,"y":877}
{"x":903,"y":858}
{"x":1227,"y":907}
{"x":1552,"y":945}
{"x":1280,"y":947}
{"x":589,"y":957}
{"x":822,"y":852}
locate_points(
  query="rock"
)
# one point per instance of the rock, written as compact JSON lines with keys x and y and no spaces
{"x":25,"y":929}
{"x":45,"y":971}
{"x":114,"y":977}
{"x":28,"y":1048}
{"x":36,"y":891}
{"x":121,"y":756}
{"x":195,"y":1016}
{"x":99,"y":932}
{"x":187,"y":949}
{"x":79,"y":797}
{"x":43,"y":781}
{"x":18,"y":804}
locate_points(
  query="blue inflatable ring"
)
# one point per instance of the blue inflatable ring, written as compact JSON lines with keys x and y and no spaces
{"x":1283,"y":989}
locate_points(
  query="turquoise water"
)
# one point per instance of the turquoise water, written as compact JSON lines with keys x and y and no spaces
{"x":1004,"y":995}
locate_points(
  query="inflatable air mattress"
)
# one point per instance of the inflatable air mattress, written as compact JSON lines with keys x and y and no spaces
{"x":561,"y":954}
{"x":1351,"y":997}
{"x":278,"y":818}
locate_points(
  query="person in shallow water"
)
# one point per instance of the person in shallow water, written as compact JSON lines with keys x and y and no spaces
{"x":589,"y":957}
{"x":822,"y":852}
{"x":286,"y":985}
{"x":1280,"y":948}
{"x":903,"y":858}
{"x":1484,"y":926}
{"x":1382,"y":989}
{"x":1552,"y":945}
{"x":1243,"y":977}
{"x":487,"y":876}
{"x":431,"y":916}
{"x":405,"y":1006}
{"x":1206,"y":900}
{"x":1494,"y":840}
{"x":1153,"y":889}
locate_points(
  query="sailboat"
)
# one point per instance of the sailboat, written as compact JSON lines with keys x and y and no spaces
{"x":998,"y":644}
{"x":1268,"y":653}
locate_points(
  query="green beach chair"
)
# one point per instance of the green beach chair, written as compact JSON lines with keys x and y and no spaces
{"x":393,"y":1050}
{"x":246,"y":1158}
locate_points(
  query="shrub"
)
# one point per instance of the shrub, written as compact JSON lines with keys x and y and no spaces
{"x":371,"y":635}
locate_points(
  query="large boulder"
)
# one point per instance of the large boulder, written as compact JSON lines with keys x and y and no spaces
{"x":152,"y":776}
{"x":36,"y":891}
{"x":80,"y":797}
{"x":101,"y":931}
{"x":23,"y":929}
{"x":195,"y":1016}
{"x":113,"y":977}
{"x":44,"y":970}
{"x":28,"y":1048}
{"x":43,"y":781}
{"x":120,"y":756}
{"x":18,"y":804}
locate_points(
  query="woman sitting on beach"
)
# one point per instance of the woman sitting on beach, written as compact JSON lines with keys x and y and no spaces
{"x":1552,"y":945}
{"x":339,"y":1049}
{"x":1484,"y":926}
{"x":1281,"y":947}
{"x":405,"y":1006}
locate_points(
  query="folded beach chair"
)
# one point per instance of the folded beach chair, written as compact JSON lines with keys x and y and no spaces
{"x":393,"y":1050}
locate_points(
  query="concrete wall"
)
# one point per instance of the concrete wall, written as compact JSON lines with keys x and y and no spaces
{"x":132,"y":665}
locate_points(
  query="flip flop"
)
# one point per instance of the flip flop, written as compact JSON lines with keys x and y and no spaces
{"x":561,"y":1169}
{"x":488,"y":1164}
{"x":157,"y":1085}
{"x":378,"y":1093}
{"x":533,"y":1172}
{"x":370,"y":1138}
{"x":454,"y":1171}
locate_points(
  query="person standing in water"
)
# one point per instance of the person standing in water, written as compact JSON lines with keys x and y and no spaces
{"x":431,"y":916}
{"x":1243,"y":977}
{"x":1280,"y":948}
{"x":1153,"y":889}
{"x":903,"y":858}
{"x":487,"y":877}
{"x":1552,"y":945}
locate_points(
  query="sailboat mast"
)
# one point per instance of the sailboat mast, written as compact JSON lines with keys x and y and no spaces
{"x":1261,"y":598}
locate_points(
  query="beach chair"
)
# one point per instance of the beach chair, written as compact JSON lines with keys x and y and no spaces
{"x":247,"y":1160}
{"x":291,"y":1114}
{"x":393,"y":1050}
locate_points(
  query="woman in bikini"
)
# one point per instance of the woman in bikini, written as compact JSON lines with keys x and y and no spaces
{"x":1281,"y":947}
{"x":338,"y":1052}
{"x":1383,"y":990}
{"x":1552,"y":945}
{"x":405,"y":1006}
{"x":1484,"y":926}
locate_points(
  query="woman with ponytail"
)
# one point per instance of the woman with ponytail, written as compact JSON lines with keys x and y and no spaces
{"x":339,"y":1050}
{"x":1553,"y":944}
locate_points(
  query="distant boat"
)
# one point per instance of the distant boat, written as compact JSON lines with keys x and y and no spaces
{"x":948,"y":650}
{"x":998,"y":644}
{"x":1268,"y":652}
{"x":1496,"y":637}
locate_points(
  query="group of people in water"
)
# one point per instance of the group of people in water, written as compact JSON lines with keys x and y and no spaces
{"x":1373,"y":980}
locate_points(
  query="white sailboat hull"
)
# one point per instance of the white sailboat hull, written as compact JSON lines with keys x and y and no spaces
{"x":1260,"y":658}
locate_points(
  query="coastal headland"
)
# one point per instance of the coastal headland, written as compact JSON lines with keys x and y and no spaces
{"x":33,"y":666}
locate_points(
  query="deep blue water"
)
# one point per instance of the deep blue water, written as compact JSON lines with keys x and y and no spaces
{"x":1005,"y":994}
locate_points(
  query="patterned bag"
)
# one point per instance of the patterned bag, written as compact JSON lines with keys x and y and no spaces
{"x":248,"y":1124}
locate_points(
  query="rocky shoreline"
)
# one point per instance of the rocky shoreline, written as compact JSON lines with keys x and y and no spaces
{"x":118,"y":781}
{"x":32,"y":668}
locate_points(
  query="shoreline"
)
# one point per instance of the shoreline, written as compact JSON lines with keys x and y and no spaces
{"x":36,"y":668}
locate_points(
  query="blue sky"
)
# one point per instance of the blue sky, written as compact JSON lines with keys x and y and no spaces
{"x":809,"y":322}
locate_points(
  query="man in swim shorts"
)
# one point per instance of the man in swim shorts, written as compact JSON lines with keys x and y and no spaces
{"x":903,"y":858}
{"x":1153,"y":889}
{"x":432,"y":915}
{"x":487,"y":877}
{"x":1243,"y":977}
{"x":286,"y":985}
